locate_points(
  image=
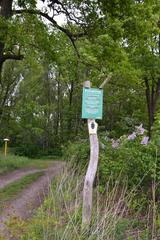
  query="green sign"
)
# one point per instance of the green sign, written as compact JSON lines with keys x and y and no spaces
{"x":92,"y":103}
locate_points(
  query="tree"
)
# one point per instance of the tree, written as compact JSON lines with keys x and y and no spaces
{"x":143,"y":44}
{"x":5,"y":15}
{"x":29,"y":7}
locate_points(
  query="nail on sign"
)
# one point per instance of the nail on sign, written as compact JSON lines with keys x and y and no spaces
{"x":92,"y":103}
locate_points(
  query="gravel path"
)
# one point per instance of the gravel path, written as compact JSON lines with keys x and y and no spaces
{"x":28,"y":200}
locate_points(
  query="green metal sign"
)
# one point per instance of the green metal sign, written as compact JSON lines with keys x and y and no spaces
{"x":92,"y":103}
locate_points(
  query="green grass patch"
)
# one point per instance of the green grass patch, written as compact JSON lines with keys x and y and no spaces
{"x":40,"y":164}
{"x":12,"y":162}
{"x":10,"y":192}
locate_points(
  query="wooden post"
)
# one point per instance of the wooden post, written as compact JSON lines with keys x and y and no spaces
{"x":91,"y":171}
{"x":92,"y":167}
{"x":5,"y":146}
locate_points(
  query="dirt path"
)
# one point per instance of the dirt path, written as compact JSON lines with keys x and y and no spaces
{"x":16,"y":175}
{"x":29,"y":199}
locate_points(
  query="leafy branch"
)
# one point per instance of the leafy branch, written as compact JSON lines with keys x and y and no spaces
{"x":70,"y":35}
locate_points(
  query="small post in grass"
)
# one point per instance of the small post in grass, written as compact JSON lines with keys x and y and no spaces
{"x":92,"y":107}
{"x":6,"y":140}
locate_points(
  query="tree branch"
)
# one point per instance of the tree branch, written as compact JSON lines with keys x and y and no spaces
{"x":12,"y":56}
{"x":71,"y":36}
{"x":106,"y":80}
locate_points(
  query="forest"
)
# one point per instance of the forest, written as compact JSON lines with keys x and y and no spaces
{"x":48,"y":49}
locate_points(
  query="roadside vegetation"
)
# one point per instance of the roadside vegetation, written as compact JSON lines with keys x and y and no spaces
{"x":125,"y":199}
{"x":13,"y":162}
{"x":116,"y":214}
{"x":12,"y":190}
{"x":43,"y":65}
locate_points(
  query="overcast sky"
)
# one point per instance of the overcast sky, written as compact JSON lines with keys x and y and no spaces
{"x":59,"y":19}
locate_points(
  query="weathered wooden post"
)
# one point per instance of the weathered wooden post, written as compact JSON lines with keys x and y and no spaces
{"x":92,"y":105}
{"x":92,"y":100}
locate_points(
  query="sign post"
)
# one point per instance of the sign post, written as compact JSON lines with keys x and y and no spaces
{"x":92,"y":102}
{"x":5,"y":146}
{"x":92,"y":108}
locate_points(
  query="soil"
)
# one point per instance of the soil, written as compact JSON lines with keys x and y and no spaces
{"x":15,"y":176}
{"x":28,"y":200}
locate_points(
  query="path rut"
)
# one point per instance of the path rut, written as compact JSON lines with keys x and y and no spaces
{"x":16,"y":175}
{"x":29,"y":199}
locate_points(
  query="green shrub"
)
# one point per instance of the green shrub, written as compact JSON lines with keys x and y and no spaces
{"x":137,"y":162}
{"x":77,"y":152}
{"x":132,"y":160}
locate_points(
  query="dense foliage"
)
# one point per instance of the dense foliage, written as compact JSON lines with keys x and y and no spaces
{"x":40,"y":107}
{"x":48,"y":48}
{"x":40,"y":101}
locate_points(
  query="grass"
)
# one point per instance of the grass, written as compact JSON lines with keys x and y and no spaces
{"x":10,"y":191}
{"x":12,"y":162}
{"x":59,"y":217}
{"x":114,"y":216}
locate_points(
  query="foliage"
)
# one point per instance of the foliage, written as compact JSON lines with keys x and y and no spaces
{"x":12,"y":162}
{"x":77,"y":153}
{"x":59,"y":217}
{"x":64,"y":222}
{"x":156,"y":130}
{"x":40,"y":97}
{"x":132,"y":160}
{"x":44,"y":99}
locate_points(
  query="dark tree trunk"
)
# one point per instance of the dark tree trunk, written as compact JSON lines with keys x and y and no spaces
{"x":71,"y":94}
{"x":6,"y":8}
{"x":5,"y":12}
{"x":59,"y":122}
{"x":152,"y":95}
{"x":70,"y":116}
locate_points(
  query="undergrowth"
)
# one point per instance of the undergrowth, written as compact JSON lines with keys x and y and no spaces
{"x":114,"y":217}
{"x":12,"y":162}
{"x":10,"y":191}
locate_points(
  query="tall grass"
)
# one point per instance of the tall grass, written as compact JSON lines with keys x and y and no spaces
{"x":59,"y":218}
{"x":12,"y":162}
{"x":114,"y":216}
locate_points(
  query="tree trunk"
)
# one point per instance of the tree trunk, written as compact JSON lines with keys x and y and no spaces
{"x":5,"y":12}
{"x":70,"y":115}
{"x":6,"y":8}
{"x":58,"y":125}
{"x":152,"y":96}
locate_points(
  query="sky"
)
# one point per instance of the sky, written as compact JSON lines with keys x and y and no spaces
{"x":59,"y":19}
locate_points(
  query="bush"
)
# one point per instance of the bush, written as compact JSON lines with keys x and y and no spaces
{"x":132,"y":160}
{"x":77,"y":153}
{"x":132,"y":157}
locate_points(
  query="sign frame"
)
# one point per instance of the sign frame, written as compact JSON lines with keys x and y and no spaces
{"x":92,"y":103}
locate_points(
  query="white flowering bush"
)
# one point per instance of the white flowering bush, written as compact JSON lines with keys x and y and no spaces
{"x":133,"y":157}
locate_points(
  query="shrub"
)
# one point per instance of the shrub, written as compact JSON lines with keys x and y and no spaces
{"x":77,"y":152}
{"x":131,"y":159}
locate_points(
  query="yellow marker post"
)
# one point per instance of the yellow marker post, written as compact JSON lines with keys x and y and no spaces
{"x":6,"y":140}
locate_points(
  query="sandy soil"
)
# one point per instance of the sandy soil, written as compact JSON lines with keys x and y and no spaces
{"x":29,"y":199}
{"x":16,"y":175}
